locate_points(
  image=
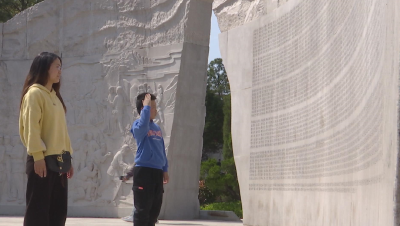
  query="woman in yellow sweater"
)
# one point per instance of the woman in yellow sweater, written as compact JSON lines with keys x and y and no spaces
{"x":43,"y":131}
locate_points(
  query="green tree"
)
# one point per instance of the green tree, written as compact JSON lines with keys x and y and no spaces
{"x":219,"y":181}
{"x":228,"y":165}
{"x":217,"y":87}
{"x":10,"y":8}
{"x":214,"y":179}
{"x":212,"y":135}
{"x":217,"y":79}
{"x":227,"y":135}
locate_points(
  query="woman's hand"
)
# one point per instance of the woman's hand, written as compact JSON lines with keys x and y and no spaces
{"x":40,"y":168}
{"x":70,"y":173}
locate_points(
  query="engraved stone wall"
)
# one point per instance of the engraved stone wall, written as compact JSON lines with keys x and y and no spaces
{"x":314,"y":102}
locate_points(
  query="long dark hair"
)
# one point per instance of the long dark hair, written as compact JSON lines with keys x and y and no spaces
{"x":39,"y":73}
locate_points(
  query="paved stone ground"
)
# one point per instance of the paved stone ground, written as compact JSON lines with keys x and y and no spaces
{"x":17,"y":221}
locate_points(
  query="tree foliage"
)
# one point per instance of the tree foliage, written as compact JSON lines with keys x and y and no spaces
{"x":10,"y":8}
{"x":212,"y":135}
{"x":227,"y":135}
{"x":217,"y":79}
{"x":217,"y":88}
{"x":218,"y":180}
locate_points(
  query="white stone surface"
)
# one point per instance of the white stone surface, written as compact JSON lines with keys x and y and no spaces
{"x":14,"y":221}
{"x":314,"y":111}
{"x":233,"y":13}
{"x":111,"y":51}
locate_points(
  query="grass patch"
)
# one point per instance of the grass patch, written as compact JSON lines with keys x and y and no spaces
{"x":236,"y":207}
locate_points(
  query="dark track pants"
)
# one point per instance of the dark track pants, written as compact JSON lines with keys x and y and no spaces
{"x":148,"y":193}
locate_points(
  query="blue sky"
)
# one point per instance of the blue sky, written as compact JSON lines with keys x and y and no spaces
{"x":214,"y":44}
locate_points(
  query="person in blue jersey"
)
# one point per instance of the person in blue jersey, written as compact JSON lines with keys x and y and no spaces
{"x":151,"y":163}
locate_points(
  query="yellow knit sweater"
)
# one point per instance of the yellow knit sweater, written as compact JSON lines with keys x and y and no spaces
{"x":42,"y":123}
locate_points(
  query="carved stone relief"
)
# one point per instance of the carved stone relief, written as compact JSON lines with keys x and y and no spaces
{"x":111,"y":51}
{"x":106,"y":147}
